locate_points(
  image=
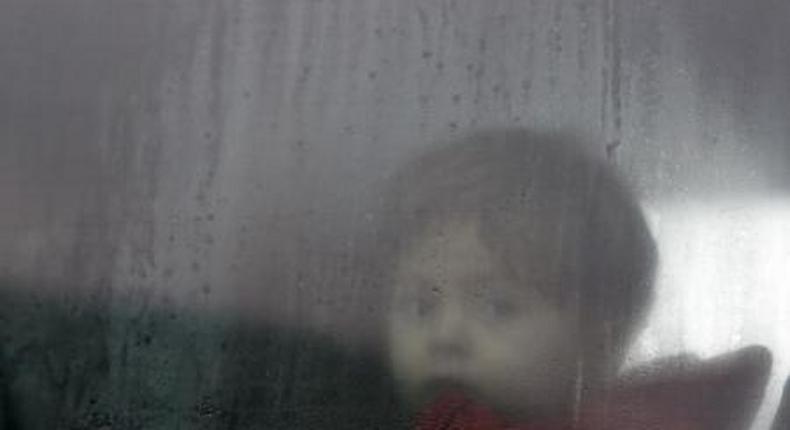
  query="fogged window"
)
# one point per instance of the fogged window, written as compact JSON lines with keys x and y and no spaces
{"x":427,"y":214}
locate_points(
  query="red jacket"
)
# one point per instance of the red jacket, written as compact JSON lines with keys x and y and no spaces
{"x":719,"y":394}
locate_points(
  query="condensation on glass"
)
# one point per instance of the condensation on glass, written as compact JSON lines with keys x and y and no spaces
{"x":195,"y":198}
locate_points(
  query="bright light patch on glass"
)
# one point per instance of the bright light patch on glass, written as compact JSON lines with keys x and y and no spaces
{"x":723,"y":283}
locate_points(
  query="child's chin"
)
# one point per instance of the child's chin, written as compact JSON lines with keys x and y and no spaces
{"x":441,"y":385}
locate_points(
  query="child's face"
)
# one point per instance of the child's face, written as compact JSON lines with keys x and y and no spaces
{"x":459,"y":320}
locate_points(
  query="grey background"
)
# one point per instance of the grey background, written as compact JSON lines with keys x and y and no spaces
{"x":220,"y":157}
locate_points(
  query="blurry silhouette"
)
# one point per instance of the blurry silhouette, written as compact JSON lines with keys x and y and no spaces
{"x":521,"y":268}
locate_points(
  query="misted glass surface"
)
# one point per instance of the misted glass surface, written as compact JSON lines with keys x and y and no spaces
{"x":433,"y":214}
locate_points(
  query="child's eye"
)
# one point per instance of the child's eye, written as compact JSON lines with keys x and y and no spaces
{"x":496,"y":304}
{"x":419,"y":307}
{"x":501,"y":308}
{"x":423,"y":307}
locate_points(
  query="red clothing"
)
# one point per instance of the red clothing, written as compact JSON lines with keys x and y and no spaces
{"x":718,"y":394}
{"x":454,"y":411}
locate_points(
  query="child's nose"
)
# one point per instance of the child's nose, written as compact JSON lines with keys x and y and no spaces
{"x":450,"y":333}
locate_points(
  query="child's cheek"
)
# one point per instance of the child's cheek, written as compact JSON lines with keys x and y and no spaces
{"x":525,"y":357}
{"x":409,"y":353}
{"x":507,"y":349}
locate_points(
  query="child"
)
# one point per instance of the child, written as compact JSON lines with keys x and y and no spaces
{"x":520,"y":268}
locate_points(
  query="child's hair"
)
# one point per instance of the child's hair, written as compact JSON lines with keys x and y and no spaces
{"x":541,"y":202}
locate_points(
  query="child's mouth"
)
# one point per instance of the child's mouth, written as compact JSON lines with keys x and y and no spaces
{"x":441,"y":385}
